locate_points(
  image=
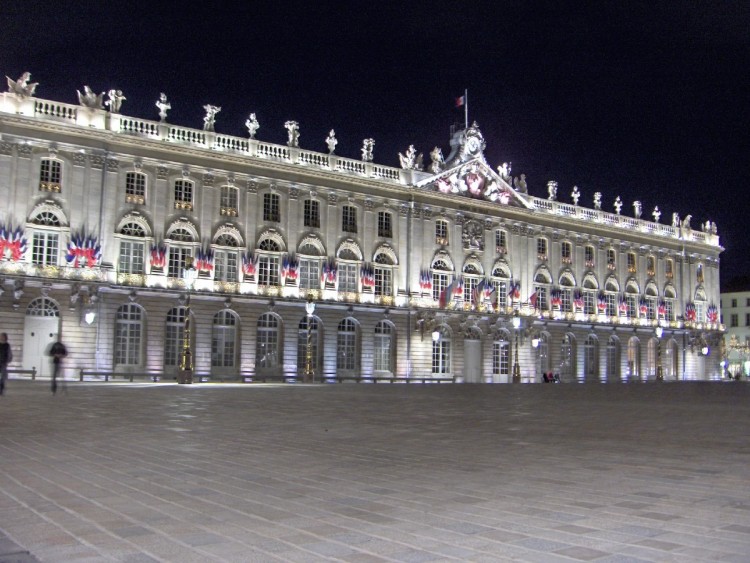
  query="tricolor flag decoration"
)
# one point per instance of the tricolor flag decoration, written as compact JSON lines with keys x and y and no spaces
{"x":578,"y":300}
{"x":158,"y":255}
{"x":446,"y":296}
{"x":425,"y":281}
{"x":204,"y":260}
{"x":13,"y":243}
{"x":623,"y":306}
{"x":290,"y":268}
{"x":458,"y":287}
{"x":533,"y":298}
{"x":662,"y":308}
{"x":489,"y":289}
{"x":712,"y":314}
{"x":367,"y":275}
{"x":249,"y":263}
{"x":329,"y":272}
{"x":643,"y":307}
{"x":83,"y":251}
{"x":514,"y":290}
{"x":460,"y":101}
{"x":556,"y":297}
{"x":601,"y":302}
{"x":690,"y":312}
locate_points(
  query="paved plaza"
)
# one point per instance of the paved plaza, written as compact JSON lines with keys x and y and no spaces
{"x":361,"y":472}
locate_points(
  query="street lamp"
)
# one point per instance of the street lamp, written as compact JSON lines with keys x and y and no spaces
{"x":185,"y":375}
{"x":516,"y":368}
{"x":309,"y":374}
{"x":659,"y":371}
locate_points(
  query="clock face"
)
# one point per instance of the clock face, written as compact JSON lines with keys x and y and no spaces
{"x":472,"y":144}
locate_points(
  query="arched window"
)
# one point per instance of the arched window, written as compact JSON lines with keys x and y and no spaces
{"x":440,"y":277}
{"x":501,"y":355}
{"x":652,"y":356}
{"x":224,"y":340}
{"x":181,"y":242}
{"x":567,"y":282}
{"x":128,"y":335}
{"x":613,"y":358}
{"x":174,"y":336}
{"x":385,"y":347}
{"x":42,"y":307}
{"x":347,"y":346}
{"x":472,"y":276}
{"x":268,"y":351}
{"x":631,"y":298}
{"x":568,"y":352}
{"x":542,"y":283}
{"x":441,"y":351}
{"x":383,"y":275}
{"x":226,"y":258}
{"x":500,"y":279}
{"x":316,"y":337}
{"x":591,"y":358}
{"x":590,"y":289}
{"x":310,"y":254}
{"x":700,"y":305}
{"x":45,"y":240}
{"x":269,"y":259}
{"x":669,"y":299}
{"x":132,"y":249}
{"x":634,"y":358}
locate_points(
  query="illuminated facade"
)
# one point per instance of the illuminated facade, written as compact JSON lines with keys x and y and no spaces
{"x":449,"y":270}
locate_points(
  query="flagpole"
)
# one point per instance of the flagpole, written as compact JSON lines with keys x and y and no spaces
{"x":466,"y":108}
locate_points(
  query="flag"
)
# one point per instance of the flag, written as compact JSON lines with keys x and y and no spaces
{"x":446,"y":296}
{"x":461,"y":100}
{"x":532,"y":299}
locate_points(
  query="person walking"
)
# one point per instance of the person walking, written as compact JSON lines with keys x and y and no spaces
{"x":6,"y":357}
{"x":58,"y":352}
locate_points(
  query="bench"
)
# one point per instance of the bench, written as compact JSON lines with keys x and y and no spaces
{"x":22,"y":372}
{"x":107,"y":375}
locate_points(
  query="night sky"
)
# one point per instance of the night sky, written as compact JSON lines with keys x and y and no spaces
{"x":645,"y":100}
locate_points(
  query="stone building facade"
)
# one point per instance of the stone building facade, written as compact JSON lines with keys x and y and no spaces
{"x":449,"y":270}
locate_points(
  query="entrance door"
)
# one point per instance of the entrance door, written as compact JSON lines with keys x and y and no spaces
{"x":39,"y":334}
{"x":473,"y":361}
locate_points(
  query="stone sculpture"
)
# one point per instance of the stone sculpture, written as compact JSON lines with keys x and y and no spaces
{"x":292,"y":129}
{"x":114,"y":103}
{"x":89,"y":99}
{"x":331,"y":141}
{"x":367,"y":146}
{"x":210,"y":119}
{"x":252,"y":125}
{"x":21,"y":87}
{"x":164,"y":106}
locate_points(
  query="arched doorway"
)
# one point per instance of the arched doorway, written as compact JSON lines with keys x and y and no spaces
{"x":568,"y":368}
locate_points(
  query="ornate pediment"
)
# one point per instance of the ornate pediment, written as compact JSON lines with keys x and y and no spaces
{"x":475,"y":179}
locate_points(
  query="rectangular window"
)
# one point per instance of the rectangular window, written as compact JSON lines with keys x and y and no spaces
{"x":347,"y":277}
{"x":734,"y":303}
{"x":131,"y":257}
{"x":470,"y":286}
{"x":735,"y":321}
{"x":183,"y":194}
{"x":651,"y":303}
{"x":611,"y":259}
{"x":566,"y":252}
{"x":312,"y":214}
{"x":309,"y":274}
{"x":268,"y":270}
{"x":271,"y":211}
{"x":226,"y":266}
{"x":589,"y":256}
{"x":632,"y":306}
{"x":439,"y":283}
{"x":541,"y":248}
{"x":384,"y":224}
{"x":747,"y":302}
{"x":650,"y":266}
{"x":229,"y":203}
{"x":589,"y":302}
{"x":501,"y":242}
{"x":632,"y":263}
{"x":44,"y":249}
{"x":441,"y":232}
{"x":669,"y":269}
{"x":383,"y":281}
{"x":178,"y":258}
{"x":541,"y":297}
{"x":669,"y":306}
{"x":747,"y":319}
{"x":611,"y":300}
{"x":566,"y":304}
{"x":349,"y":219}
{"x":127,"y":342}
{"x":501,"y":290}
{"x":50,"y":175}
{"x":135,"y":187}
{"x":500,"y":358}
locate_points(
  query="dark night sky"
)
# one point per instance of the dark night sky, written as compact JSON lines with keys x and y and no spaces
{"x":646,"y":100}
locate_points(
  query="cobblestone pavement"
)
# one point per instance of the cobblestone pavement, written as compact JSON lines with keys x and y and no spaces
{"x":357,"y":472}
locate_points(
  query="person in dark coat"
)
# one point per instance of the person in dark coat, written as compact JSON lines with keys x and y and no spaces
{"x":6,"y":357}
{"x":58,"y":352}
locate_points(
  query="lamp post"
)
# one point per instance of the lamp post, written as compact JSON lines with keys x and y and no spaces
{"x":659,"y":371}
{"x":309,"y":374}
{"x":516,"y":368}
{"x":185,"y":375}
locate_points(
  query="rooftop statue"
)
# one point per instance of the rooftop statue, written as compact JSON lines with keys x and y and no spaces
{"x":89,"y":99}
{"x":411,"y":161}
{"x":331,"y":141}
{"x":21,"y":87}
{"x":504,"y":172}
{"x":597,"y":200}
{"x":520,"y":184}
{"x":637,"y":209}
{"x":367,"y":146}
{"x":675,"y":219}
{"x":552,"y":190}
{"x":114,"y":103}
{"x":437,"y":163}
{"x":210,"y":119}
{"x":164,"y":106}
{"x":575,"y":195}
{"x":685,"y":229}
{"x":618,"y":205}
{"x":656,"y":214}
{"x":252,"y":125}
{"x":292,"y":129}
